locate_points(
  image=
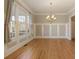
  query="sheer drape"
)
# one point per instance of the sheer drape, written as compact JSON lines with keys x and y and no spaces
{"x":7,"y":19}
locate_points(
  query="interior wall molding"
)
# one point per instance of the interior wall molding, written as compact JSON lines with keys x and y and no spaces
{"x":48,"y":13}
{"x":71,"y":11}
{"x":66,"y":13}
{"x":24,"y":6}
{"x":52,"y":37}
{"x":58,"y":34}
{"x":48,"y":23}
{"x":21,"y":7}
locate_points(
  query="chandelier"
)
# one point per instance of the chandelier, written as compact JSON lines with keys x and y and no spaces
{"x":51,"y":17}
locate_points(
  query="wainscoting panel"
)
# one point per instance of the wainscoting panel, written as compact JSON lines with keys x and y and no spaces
{"x":62,"y":30}
{"x":55,"y":30}
{"x":46,"y":30}
{"x":38,"y":30}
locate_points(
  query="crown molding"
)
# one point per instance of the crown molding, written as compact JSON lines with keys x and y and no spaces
{"x":25,"y":6}
{"x":66,"y":13}
{"x":48,"y":13}
{"x":71,"y":10}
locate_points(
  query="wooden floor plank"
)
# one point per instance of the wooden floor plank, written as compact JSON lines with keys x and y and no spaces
{"x":46,"y":49}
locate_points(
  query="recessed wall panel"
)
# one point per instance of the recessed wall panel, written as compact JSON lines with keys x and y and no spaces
{"x":38,"y":30}
{"x":53,"y":30}
{"x":46,"y":30}
{"x":62,"y":30}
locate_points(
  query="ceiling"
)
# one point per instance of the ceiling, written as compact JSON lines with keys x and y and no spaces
{"x":42,"y":6}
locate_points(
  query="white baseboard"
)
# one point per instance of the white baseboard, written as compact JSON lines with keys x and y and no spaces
{"x":9,"y":51}
{"x":52,"y":37}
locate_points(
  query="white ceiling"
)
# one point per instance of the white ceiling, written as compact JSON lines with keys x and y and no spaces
{"x":42,"y":6}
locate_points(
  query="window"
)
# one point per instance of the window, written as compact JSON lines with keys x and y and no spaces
{"x":22,"y":24}
{"x":22,"y":19}
{"x":12,"y":28}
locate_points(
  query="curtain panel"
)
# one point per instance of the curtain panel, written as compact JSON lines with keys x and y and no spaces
{"x":7,"y":19}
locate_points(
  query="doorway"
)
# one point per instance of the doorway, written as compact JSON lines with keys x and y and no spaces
{"x":73,"y":27}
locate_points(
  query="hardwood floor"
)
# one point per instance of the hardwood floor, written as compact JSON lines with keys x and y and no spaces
{"x":46,"y":49}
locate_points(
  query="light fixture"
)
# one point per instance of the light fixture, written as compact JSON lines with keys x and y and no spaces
{"x":51,"y":17}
